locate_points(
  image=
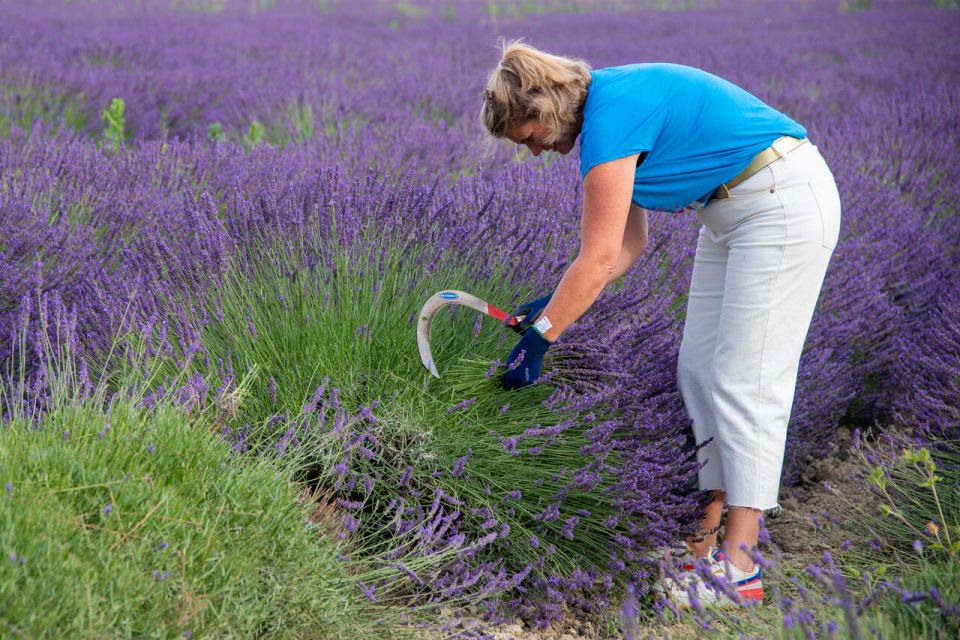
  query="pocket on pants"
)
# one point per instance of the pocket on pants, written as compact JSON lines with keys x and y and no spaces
{"x":828,"y":206}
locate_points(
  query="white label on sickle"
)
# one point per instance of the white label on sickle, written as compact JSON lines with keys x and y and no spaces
{"x":542,"y":325}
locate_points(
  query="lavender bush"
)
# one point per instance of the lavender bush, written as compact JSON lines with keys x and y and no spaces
{"x":930,"y":370}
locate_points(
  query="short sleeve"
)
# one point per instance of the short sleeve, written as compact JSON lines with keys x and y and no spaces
{"x":617,"y":124}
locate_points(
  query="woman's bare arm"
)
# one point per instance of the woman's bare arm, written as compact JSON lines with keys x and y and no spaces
{"x":607,"y":192}
{"x":634,"y":241}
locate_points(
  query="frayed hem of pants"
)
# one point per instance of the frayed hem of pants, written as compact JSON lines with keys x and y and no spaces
{"x":740,"y":506}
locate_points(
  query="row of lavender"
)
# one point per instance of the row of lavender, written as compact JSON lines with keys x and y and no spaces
{"x":871,"y":109}
{"x":114,"y":236}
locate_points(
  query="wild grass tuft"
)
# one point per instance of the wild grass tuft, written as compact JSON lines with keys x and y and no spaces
{"x":118,"y":520}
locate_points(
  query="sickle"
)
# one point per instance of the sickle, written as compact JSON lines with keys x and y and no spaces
{"x":437,"y":302}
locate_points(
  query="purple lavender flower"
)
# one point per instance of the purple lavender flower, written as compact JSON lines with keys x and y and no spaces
{"x":368,"y":592}
{"x":460,"y":464}
{"x":463,"y":404}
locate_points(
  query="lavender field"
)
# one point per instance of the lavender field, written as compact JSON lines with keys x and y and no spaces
{"x":218,"y":221}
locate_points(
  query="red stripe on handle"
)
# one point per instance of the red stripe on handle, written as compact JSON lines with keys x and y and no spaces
{"x":500,"y":314}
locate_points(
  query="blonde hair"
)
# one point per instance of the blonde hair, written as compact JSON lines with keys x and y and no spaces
{"x":529,"y":83}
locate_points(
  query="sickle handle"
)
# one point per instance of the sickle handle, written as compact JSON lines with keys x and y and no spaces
{"x":501,"y":315}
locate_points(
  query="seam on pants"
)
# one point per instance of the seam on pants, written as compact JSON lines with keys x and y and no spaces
{"x":766,"y":331}
{"x":776,"y":281}
{"x":717,"y":459}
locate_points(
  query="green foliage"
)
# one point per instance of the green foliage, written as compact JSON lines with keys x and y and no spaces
{"x":527,"y":7}
{"x":215,"y":132}
{"x":98,"y":58}
{"x":919,"y":499}
{"x":164,"y":128}
{"x":199,"y":6}
{"x":855,"y":5}
{"x":301,"y":119}
{"x":448,"y":11}
{"x":298,"y":123}
{"x":909,"y":529}
{"x":258,"y":6}
{"x":409,"y":9}
{"x":894,"y":619}
{"x":254,"y":136}
{"x":114,"y":123}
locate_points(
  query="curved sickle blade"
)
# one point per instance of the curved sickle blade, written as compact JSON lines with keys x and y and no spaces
{"x":437,"y":302}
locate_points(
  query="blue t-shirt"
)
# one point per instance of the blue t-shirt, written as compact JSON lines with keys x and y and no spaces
{"x":698,"y":130}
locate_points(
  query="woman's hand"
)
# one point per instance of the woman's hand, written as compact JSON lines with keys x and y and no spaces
{"x":530,"y":312}
{"x":529,"y":351}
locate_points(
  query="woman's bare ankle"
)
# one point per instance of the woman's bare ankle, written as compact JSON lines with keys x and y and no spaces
{"x":701,"y":546}
{"x":738,"y":557}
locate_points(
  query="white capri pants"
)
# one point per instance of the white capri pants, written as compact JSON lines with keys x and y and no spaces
{"x":761,"y":257}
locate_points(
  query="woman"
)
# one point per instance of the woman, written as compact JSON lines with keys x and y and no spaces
{"x":669,"y":137}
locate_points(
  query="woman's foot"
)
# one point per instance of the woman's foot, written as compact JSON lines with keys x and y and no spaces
{"x":728,"y":585}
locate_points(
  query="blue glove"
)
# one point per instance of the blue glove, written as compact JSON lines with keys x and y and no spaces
{"x":533,"y":345}
{"x":530,"y":312}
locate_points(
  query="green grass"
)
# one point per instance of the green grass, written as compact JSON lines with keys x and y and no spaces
{"x":118,"y":521}
{"x":913,"y":520}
